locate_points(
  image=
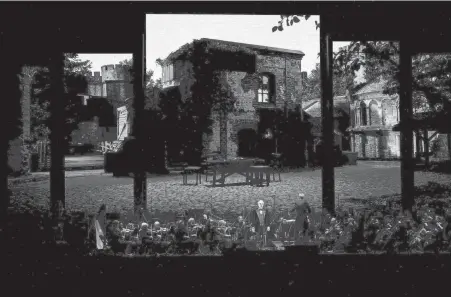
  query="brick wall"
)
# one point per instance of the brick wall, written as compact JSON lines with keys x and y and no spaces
{"x":118,"y":91}
{"x":289,"y":83}
{"x":95,"y":86}
{"x":95,"y":89}
{"x":244,"y":88}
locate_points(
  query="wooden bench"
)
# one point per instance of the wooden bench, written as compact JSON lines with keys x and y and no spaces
{"x":257,"y":173}
{"x":190,"y":170}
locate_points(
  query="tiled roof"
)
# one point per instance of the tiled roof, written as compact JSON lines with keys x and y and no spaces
{"x":375,"y":86}
{"x":258,"y":47}
{"x":255,"y":47}
{"x":316,"y":127}
{"x":313,"y":107}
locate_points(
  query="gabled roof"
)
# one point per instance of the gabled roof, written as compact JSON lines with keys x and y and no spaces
{"x":257,"y":47}
{"x":313,"y":107}
{"x":372,"y":87}
{"x":316,"y":127}
{"x":215,"y":42}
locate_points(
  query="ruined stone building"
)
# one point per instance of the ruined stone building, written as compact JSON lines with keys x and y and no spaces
{"x":373,"y":117}
{"x":273,"y":81}
{"x":112,"y":83}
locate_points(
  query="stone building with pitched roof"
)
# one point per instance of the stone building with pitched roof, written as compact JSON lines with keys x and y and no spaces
{"x":374,"y":117}
{"x":312,"y":108}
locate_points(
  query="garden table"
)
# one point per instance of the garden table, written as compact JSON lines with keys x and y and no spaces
{"x":232,"y":166}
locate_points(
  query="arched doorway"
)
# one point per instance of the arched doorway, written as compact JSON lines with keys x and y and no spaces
{"x":247,"y":142}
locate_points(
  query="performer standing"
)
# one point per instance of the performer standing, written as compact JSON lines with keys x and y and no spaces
{"x":302,"y":222}
{"x":260,"y":221}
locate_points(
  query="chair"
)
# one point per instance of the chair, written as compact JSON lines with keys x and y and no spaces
{"x":192,"y":169}
{"x":209,"y":157}
{"x":276,"y":165}
{"x":258,"y":172}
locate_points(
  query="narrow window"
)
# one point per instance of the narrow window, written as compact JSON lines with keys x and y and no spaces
{"x":363,"y":118}
{"x":265,"y":88}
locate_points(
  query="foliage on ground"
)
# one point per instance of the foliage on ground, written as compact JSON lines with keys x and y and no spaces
{"x":379,"y":225}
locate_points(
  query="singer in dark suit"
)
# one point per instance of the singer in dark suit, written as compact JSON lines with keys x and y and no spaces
{"x":260,"y":220}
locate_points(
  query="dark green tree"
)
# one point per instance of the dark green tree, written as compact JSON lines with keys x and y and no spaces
{"x":75,"y":83}
{"x":431,"y":73}
{"x":311,"y":87}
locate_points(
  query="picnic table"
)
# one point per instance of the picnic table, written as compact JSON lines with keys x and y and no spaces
{"x":226,"y":168}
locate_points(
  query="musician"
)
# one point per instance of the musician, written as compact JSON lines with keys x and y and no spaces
{"x":242,"y":229}
{"x":303,"y":210}
{"x":157,"y":231}
{"x":260,"y":220}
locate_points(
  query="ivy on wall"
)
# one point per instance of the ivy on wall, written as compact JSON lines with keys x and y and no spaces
{"x":210,"y":92}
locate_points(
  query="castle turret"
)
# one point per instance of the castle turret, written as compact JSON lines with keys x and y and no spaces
{"x":116,"y":72}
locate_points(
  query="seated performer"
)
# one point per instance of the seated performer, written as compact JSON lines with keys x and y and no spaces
{"x":260,"y":220}
{"x":145,"y":237}
{"x":117,"y":242}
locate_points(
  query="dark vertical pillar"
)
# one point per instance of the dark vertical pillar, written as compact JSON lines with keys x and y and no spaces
{"x":223,"y":133}
{"x":140,"y":176}
{"x":426,"y":147}
{"x":11,"y":96}
{"x":327,"y":124}
{"x":57,"y":120}
{"x":417,"y":145}
{"x":405,"y":114}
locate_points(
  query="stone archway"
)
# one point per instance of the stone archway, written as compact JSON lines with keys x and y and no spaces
{"x":247,"y":143}
{"x":375,"y":118}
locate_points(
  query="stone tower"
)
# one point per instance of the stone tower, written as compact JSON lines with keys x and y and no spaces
{"x":116,"y":84}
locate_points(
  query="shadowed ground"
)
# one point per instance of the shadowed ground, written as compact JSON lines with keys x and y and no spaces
{"x":167,"y":194}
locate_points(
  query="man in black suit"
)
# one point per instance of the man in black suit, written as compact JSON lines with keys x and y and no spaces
{"x":260,"y":220}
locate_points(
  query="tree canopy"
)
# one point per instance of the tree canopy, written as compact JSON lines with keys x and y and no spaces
{"x":380,"y":59}
{"x":75,"y":71}
{"x":311,"y":86}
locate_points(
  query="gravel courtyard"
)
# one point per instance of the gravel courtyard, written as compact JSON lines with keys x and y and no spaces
{"x":166,"y":193}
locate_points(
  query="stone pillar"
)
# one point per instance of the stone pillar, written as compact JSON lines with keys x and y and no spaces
{"x":9,"y":77}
